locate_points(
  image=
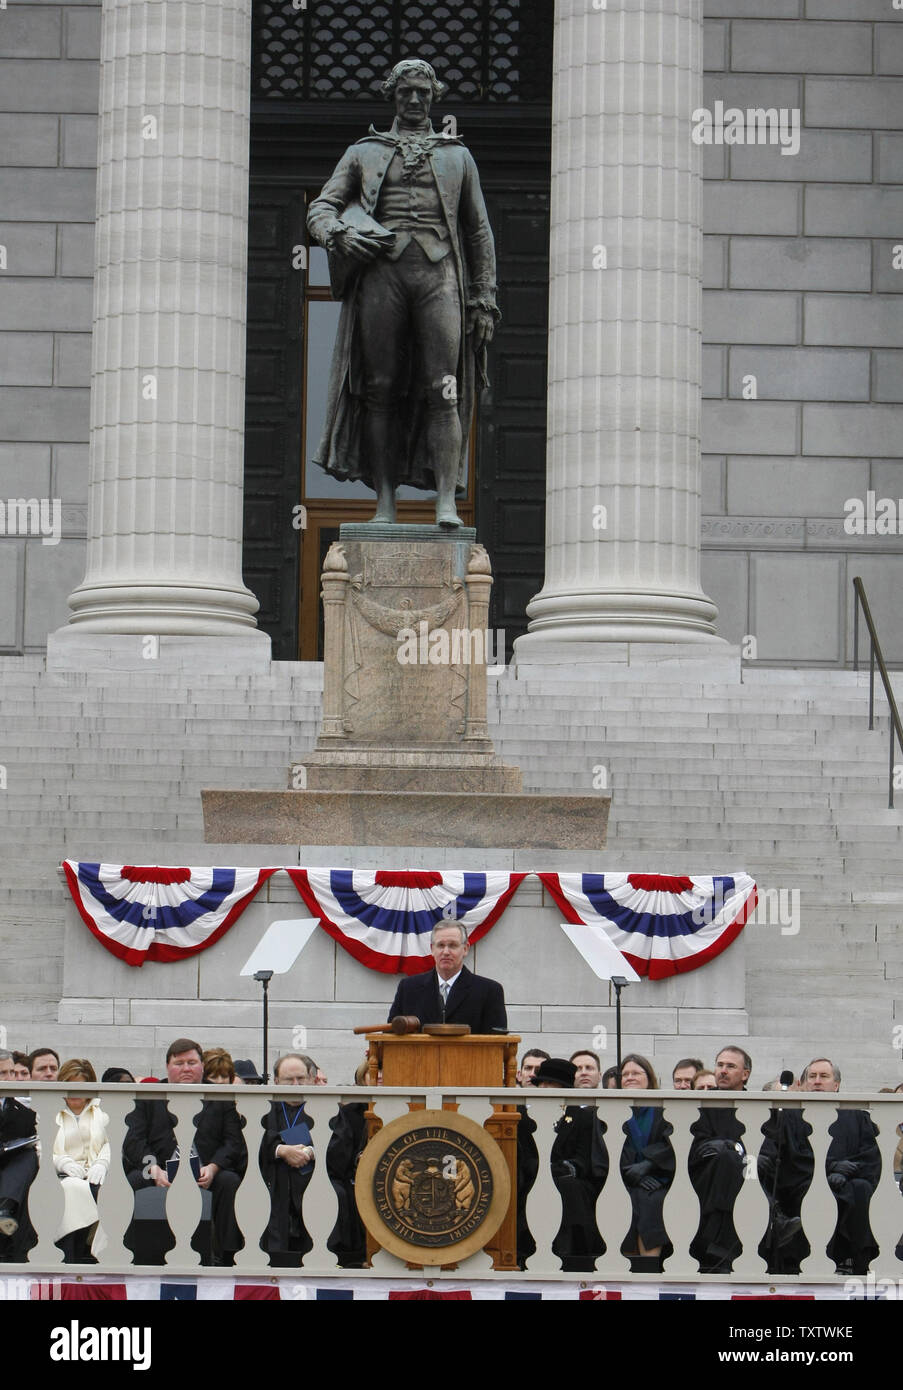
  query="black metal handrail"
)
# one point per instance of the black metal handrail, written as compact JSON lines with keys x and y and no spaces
{"x":875,"y":653}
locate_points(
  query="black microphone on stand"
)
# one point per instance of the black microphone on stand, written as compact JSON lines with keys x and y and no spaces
{"x":786,"y":1080}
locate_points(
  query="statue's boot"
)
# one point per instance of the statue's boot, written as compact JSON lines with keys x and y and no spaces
{"x":445,"y":439}
{"x":385,"y":503}
{"x":378,"y":434}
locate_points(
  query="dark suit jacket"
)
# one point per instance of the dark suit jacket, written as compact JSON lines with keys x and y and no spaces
{"x":473,"y":999}
{"x":17,"y":1121}
{"x":151,"y":1138}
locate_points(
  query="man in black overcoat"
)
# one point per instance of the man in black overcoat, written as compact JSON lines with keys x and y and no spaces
{"x":470,"y":999}
{"x":18,"y":1169}
{"x":785,"y":1167}
{"x":579,"y":1161}
{"x":716,"y":1165}
{"x":218,"y":1156}
{"x":853,"y":1167}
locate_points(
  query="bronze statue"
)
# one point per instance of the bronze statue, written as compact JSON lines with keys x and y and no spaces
{"x":411,"y":256}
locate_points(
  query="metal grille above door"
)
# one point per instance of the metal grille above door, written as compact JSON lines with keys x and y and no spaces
{"x":338,"y":50}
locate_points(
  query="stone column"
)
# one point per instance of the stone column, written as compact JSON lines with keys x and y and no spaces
{"x":168,"y":373}
{"x":622,"y":470}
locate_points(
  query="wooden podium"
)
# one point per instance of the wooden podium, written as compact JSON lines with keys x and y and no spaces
{"x":477,"y":1059}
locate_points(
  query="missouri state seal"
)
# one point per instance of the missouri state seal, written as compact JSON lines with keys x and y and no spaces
{"x":432,"y":1186}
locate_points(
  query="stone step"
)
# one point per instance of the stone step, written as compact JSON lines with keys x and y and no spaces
{"x":730,"y":842}
{"x":627,"y":701}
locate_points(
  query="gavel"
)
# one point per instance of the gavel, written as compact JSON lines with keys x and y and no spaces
{"x":401,"y":1023}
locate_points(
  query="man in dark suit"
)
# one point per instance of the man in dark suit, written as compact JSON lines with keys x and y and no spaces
{"x":18,"y":1169}
{"x":717,"y":1164}
{"x":218,"y":1157}
{"x":853,"y":1166}
{"x":579,"y":1162}
{"x":450,"y":994}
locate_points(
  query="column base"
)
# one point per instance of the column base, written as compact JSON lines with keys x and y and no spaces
{"x":242,"y":651}
{"x":181,"y":610}
{"x":617,"y":616}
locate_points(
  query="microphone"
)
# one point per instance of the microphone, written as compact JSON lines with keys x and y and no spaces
{"x":786,"y":1080}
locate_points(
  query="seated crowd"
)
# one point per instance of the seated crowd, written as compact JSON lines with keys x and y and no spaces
{"x":718,"y":1165}
{"x":218,"y":1156}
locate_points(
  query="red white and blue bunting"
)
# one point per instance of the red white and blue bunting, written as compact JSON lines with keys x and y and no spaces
{"x":147,"y":912}
{"x":663,"y":924}
{"x":384,"y":918}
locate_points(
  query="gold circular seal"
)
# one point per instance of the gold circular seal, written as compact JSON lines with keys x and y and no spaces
{"x":432,"y":1187}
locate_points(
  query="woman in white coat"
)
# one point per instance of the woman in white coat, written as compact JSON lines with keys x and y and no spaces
{"x":81,"y":1157}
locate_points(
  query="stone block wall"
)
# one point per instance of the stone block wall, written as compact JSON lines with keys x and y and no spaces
{"x":802,"y":295}
{"x":49,"y":71}
{"x":801,"y":292}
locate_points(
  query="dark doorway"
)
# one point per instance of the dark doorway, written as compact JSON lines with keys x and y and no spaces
{"x":316,"y":76}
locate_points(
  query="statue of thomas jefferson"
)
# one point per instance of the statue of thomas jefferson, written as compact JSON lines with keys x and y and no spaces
{"x":412,"y":258}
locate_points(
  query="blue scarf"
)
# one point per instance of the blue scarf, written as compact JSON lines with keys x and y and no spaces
{"x":639,"y":1126}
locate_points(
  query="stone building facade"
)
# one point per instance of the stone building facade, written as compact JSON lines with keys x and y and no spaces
{"x":799,"y":361}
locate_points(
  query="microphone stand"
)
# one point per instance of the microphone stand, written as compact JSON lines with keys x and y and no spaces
{"x":619,"y":981}
{"x":264,"y":977}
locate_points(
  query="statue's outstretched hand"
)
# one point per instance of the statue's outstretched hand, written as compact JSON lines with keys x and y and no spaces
{"x":481,"y":325}
{"x":356,"y":244}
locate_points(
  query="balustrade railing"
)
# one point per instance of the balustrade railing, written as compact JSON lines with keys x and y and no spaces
{"x":183,"y":1207}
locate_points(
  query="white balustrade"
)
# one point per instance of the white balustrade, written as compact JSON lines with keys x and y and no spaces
{"x":184,"y":1205}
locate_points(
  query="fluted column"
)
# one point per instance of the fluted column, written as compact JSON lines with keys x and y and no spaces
{"x":168,"y":371}
{"x":622,"y":470}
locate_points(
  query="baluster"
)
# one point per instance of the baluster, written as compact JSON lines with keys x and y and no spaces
{"x":613,"y":1206}
{"x":183,"y":1197}
{"x":546,"y":1107}
{"x":116,"y":1199}
{"x":751,"y":1209}
{"x":681,"y":1211}
{"x":819,"y":1208}
{"x":45,"y":1195}
{"x":320,"y":1207}
{"x":886,"y":1210}
{"x":252,"y":1201}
